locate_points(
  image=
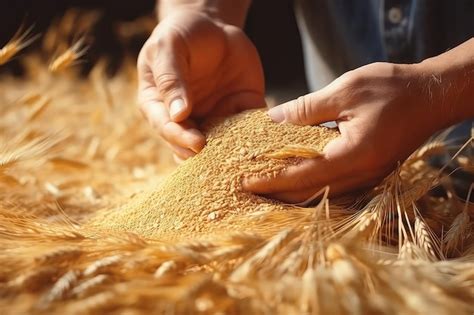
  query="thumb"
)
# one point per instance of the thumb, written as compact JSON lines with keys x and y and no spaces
{"x":169,"y":72}
{"x":309,"y":109}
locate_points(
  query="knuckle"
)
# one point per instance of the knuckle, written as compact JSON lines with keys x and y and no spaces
{"x":354,"y":78}
{"x":166,"y":83}
{"x":142,"y":108}
{"x":141,"y":99}
{"x":147,"y":53}
{"x":298,"y":113}
{"x":167,"y":132}
{"x":305,"y":182}
{"x":156,"y":126}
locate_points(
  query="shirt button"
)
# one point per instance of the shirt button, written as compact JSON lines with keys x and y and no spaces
{"x":395,"y":15}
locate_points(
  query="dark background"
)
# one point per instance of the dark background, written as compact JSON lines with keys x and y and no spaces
{"x":270,"y":25}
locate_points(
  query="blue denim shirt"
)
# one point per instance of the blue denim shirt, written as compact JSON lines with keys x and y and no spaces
{"x":347,"y":34}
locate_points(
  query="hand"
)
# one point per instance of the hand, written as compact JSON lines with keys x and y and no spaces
{"x":383,"y":112}
{"x":192,"y":67}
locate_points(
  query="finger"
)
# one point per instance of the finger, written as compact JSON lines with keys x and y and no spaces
{"x":344,"y":186}
{"x":309,"y":109}
{"x":308,"y":173}
{"x":177,"y":159}
{"x":169,"y":66}
{"x":179,"y":134}
{"x":182,"y":153}
{"x":339,"y":159}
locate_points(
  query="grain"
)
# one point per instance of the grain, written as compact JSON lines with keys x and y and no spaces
{"x":20,"y":40}
{"x":371,"y":256}
{"x":69,"y":57}
{"x":60,"y":289}
{"x":423,"y":237}
{"x":100,"y":265}
{"x":204,"y":194}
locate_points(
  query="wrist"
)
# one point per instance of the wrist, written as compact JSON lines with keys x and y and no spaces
{"x":224,"y":11}
{"x":444,"y":90}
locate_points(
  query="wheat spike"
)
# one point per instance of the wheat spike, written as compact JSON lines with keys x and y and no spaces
{"x":39,"y":108}
{"x":60,"y":288}
{"x":457,"y":232}
{"x":69,"y":57}
{"x":88,"y":285}
{"x":59,"y":255}
{"x":165,"y":268}
{"x":269,"y":249}
{"x":19,"y":41}
{"x":101,"y":264}
{"x":294,"y":151}
{"x":460,"y":228}
{"x":424,"y":239}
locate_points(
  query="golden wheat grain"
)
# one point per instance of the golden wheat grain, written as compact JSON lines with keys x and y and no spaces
{"x":88,"y":285}
{"x":345,"y":272}
{"x":35,"y":279}
{"x":293,"y":275}
{"x":253,"y":262}
{"x":92,"y":304}
{"x":165,"y":268}
{"x":19,"y":150}
{"x":460,"y":228}
{"x":101,"y":84}
{"x":30,"y":98}
{"x":39,"y":108}
{"x":424,"y":238}
{"x":64,"y":163}
{"x":457,"y":232}
{"x":59,"y":255}
{"x":19,"y":41}
{"x":70,"y":57}
{"x":60,"y":289}
{"x":101,"y":264}
{"x":292,"y":151}
{"x":435,"y":147}
{"x":467,"y":164}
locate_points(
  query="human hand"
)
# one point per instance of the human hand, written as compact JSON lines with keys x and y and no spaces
{"x":384,"y":112}
{"x":191,"y":67}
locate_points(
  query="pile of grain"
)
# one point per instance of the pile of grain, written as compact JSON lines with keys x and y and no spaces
{"x":204,"y":194}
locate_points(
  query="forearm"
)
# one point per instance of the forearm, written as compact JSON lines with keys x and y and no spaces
{"x":451,"y":84}
{"x":228,"y":11}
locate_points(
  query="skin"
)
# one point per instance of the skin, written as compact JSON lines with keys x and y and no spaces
{"x":384,"y":111}
{"x":195,"y":65}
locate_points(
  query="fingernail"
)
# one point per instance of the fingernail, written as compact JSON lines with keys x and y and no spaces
{"x":177,"y":106}
{"x":276,"y":114}
{"x":247,"y":183}
{"x":197,"y":140}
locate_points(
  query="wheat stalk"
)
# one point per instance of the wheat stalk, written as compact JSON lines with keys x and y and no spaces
{"x":460,"y":227}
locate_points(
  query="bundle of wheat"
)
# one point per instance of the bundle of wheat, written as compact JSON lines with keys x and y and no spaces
{"x":80,"y":152}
